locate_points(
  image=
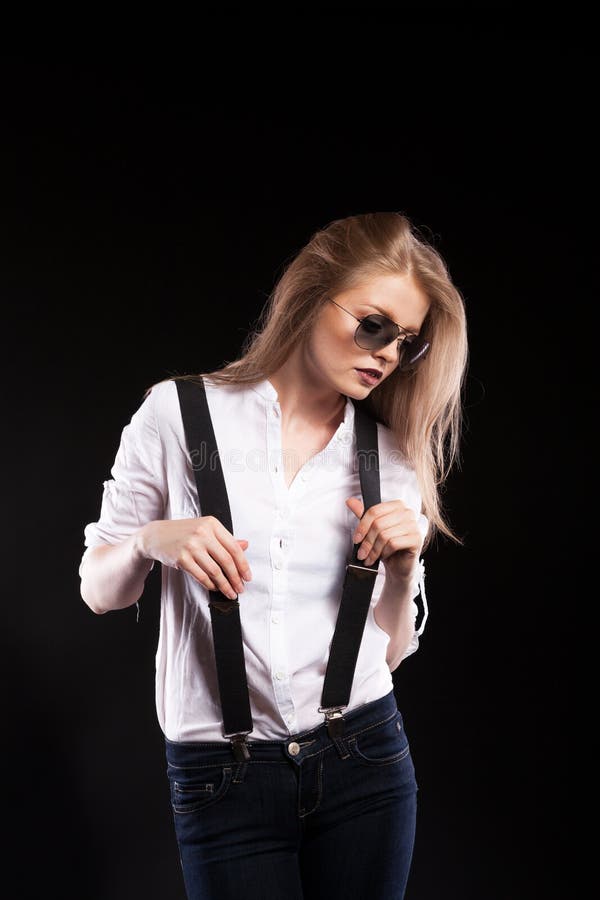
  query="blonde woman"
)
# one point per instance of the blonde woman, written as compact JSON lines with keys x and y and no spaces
{"x":282,"y":788}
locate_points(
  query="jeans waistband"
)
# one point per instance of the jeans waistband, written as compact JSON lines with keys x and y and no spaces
{"x":189,"y":753}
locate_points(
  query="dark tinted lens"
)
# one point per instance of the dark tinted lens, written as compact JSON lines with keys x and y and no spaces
{"x":375,"y":332}
{"x":412,"y":353}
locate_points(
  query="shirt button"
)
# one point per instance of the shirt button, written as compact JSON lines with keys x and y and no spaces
{"x":276,"y":411}
{"x":277,"y":563}
{"x":294,"y":748}
{"x":275,"y":619}
{"x":279,"y":676}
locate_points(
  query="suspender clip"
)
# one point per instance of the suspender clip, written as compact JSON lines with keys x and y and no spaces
{"x":360,"y":571}
{"x":241,"y":751}
{"x":334,"y":720}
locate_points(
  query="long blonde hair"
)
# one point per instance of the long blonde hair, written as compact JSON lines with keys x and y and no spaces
{"x":423,"y":408}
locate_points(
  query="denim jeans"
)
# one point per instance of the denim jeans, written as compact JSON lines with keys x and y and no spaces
{"x":305,"y":818}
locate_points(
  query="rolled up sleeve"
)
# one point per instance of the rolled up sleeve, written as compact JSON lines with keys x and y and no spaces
{"x":418,"y":588}
{"x":136,"y":492}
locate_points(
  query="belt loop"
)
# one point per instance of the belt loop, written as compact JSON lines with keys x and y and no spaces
{"x":342,"y":749}
{"x":240,"y":772}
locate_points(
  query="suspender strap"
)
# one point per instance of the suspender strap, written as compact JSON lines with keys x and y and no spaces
{"x":357,"y":590}
{"x":224,"y":612}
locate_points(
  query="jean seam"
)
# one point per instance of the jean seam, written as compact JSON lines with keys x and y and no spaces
{"x":303,"y":813}
{"x":376,"y":762}
{"x":214,"y":798}
{"x":216,"y":765}
{"x":370,"y":727}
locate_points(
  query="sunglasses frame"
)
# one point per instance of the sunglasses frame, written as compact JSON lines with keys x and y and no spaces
{"x":401,"y":331}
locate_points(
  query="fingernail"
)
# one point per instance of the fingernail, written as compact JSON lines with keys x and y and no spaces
{"x":361,"y":553}
{"x":247,"y":575}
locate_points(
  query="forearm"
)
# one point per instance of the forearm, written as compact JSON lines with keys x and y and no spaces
{"x":113,"y":575}
{"x":394,"y":613}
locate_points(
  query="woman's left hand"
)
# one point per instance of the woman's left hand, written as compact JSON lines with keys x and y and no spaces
{"x":388,"y":531}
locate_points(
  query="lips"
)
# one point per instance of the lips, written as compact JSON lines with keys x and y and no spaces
{"x":374,"y":372}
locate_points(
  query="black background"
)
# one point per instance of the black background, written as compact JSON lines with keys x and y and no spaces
{"x":140,"y":197}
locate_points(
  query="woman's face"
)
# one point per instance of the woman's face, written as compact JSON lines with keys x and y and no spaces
{"x":332,"y":353}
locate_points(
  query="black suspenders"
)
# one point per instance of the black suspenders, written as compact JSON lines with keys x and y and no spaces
{"x":357,"y":591}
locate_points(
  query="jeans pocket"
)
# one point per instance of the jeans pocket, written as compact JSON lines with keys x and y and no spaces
{"x":194,"y":788}
{"x":380,"y":744}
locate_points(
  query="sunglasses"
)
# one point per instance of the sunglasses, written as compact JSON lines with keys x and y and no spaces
{"x":375,"y":332}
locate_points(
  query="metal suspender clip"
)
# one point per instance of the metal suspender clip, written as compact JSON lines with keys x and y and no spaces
{"x":241,"y":751}
{"x":334,"y":719}
{"x":359,"y":571}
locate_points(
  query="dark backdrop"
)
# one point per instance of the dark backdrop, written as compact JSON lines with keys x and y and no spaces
{"x":147,"y":211}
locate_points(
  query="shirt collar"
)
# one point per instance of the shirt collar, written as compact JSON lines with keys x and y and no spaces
{"x":265,"y":389}
{"x":268,"y":392}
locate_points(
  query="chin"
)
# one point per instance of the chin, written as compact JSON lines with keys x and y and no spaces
{"x":359,"y":391}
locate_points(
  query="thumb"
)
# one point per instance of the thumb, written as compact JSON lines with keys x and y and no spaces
{"x":356,"y":506}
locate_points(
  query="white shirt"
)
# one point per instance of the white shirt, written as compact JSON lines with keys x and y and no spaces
{"x":300,"y":541}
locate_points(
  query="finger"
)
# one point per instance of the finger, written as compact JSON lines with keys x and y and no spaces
{"x":355,"y":505}
{"x":370,"y":516}
{"x":363,"y":527}
{"x":239,"y":559}
{"x":372,"y":546}
{"x":377,"y":548}
{"x":395,"y":515}
{"x":368,"y":529}
{"x":188,"y":564}
{"x":231,"y":544}
{"x":390,"y":541}
{"x":219,"y":564}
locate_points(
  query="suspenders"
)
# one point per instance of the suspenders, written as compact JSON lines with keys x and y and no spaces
{"x":357,"y":590}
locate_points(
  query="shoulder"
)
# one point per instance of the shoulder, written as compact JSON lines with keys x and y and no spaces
{"x":397,"y":474}
{"x":390,"y":450}
{"x":161,"y":396}
{"x":163,"y":404}
{"x":163,"y":399}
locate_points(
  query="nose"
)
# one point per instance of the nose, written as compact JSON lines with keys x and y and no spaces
{"x":389,"y":353}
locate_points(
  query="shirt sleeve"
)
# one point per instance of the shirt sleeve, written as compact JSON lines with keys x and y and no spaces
{"x":407,"y":489}
{"x":136,"y":493}
{"x":418,"y":588}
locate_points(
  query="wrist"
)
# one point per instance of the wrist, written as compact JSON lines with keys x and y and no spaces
{"x":404,"y":576}
{"x":397,"y":590}
{"x":140,"y":543}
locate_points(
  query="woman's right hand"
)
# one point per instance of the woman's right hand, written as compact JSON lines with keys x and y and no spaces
{"x":202,"y":547}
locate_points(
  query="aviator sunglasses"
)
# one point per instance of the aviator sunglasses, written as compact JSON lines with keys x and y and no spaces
{"x":375,"y":332}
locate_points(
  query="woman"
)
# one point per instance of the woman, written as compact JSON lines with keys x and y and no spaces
{"x":310,"y":800}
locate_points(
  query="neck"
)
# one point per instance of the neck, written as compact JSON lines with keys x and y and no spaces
{"x":305,"y":400}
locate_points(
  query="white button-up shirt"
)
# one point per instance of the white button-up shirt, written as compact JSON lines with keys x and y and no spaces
{"x":300,"y":541}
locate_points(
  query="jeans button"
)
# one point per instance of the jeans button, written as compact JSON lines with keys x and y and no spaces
{"x":294,"y":748}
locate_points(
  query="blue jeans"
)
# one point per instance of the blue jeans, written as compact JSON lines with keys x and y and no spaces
{"x":304,"y":819}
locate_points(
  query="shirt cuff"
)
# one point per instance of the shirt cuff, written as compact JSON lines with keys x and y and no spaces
{"x":420,"y":579}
